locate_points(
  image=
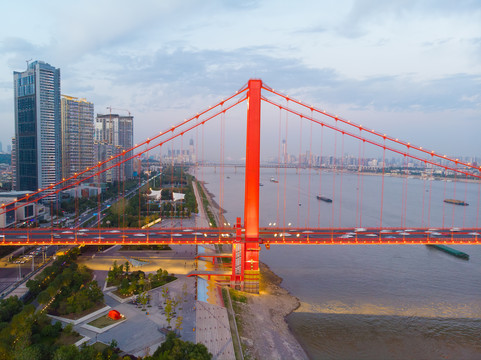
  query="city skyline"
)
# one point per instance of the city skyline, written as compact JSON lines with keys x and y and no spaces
{"x":407,"y":68}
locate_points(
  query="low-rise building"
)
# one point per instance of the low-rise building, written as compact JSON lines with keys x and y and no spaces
{"x":13,"y":211}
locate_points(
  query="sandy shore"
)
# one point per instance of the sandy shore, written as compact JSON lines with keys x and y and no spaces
{"x":262,"y":326}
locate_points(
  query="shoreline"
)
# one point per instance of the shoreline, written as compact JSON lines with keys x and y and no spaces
{"x":217,"y":211}
{"x":264,"y":331}
{"x":211,"y":197}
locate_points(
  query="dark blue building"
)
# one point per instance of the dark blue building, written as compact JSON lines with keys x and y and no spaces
{"x":37,"y":126}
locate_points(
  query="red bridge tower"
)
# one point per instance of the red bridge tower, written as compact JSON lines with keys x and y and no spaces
{"x":245,"y":264}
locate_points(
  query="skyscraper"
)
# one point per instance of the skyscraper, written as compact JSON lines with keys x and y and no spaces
{"x":77,"y":135}
{"x":114,"y":134}
{"x":14,"y":164}
{"x":37,"y":126}
{"x":285,"y":159}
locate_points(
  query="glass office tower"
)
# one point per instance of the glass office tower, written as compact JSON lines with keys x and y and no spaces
{"x":37,"y":126}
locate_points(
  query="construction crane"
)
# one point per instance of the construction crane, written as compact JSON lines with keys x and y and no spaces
{"x":111,"y":139}
{"x":111,"y":108}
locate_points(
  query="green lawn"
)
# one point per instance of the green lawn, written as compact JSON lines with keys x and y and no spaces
{"x":68,"y":339}
{"x":76,"y":316}
{"x":103,"y":321}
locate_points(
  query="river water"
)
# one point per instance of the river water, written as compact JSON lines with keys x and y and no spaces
{"x":369,"y":302}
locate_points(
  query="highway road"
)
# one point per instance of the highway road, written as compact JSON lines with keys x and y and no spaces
{"x":270,"y":235}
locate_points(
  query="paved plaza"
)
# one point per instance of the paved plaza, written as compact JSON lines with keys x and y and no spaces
{"x":143,"y":331}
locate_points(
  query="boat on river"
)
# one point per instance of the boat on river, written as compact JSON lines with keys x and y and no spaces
{"x":456,"y":202}
{"x":323,"y":198}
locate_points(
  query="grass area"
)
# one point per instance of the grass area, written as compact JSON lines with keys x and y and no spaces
{"x":205,"y":203}
{"x":232,"y":324}
{"x":98,"y":346}
{"x":103,"y":321}
{"x":83,"y":313}
{"x":122,"y":296}
{"x":69,"y":339}
{"x":237,"y":296}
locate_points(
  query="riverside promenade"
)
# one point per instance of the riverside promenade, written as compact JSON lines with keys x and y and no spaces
{"x":212,"y":321}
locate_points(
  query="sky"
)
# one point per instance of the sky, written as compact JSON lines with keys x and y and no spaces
{"x":411,"y":69}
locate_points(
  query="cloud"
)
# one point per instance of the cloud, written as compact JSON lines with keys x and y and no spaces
{"x":17,"y":50}
{"x":366,"y":12}
{"x":178,"y":57}
{"x":312,"y":29}
{"x":187,"y":73}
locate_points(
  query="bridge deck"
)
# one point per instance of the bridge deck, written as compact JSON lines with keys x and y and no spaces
{"x":272,"y":236}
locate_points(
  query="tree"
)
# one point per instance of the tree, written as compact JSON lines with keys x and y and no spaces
{"x":28,"y":353}
{"x":165,"y":292}
{"x":68,"y":329}
{"x":178,"y":323}
{"x":114,"y":344}
{"x":34,"y":287}
{"x":67,"y":353}
{"x":184,"y":291}
{"x":143,"y":299}
{"x":43,"y":298}
{"x":10,"y":307}
{"x":168,"y":311}
{"x":166,"y":194}
{"x":175,"y":303}
{"x":141,"y":283}
{"x":124,"y":286}
{"x":132,"y":289}
{"x":94,"y":292}
{"x":176,"y":349}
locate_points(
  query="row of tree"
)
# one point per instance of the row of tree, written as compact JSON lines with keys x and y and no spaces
{"x":136,"y":282}
{"x":175,"y":179}
{"x":175,"y":349}
{"x":26,"y":334}
{"x":66,"y":287}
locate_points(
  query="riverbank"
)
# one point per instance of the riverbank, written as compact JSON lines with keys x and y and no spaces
{"x":217,"y":211}
{"x":261,"y":321}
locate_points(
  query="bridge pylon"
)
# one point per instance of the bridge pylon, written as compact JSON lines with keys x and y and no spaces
{"x":245,"y":264}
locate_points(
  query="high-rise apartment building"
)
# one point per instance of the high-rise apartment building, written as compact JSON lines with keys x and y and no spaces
{"x":37,"y":126}
{"x":113,"y":135}
{"x":77,"y":135}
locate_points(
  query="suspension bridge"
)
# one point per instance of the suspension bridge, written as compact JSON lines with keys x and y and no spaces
{"x":246,"y":236}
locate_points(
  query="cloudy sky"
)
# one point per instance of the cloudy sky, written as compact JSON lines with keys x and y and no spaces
{"x":408,"y":68}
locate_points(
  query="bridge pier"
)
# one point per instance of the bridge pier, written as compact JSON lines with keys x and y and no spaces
{"x":245,"y":263}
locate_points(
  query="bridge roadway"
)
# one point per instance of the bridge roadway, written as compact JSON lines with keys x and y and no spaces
{"x":199,"y":236}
